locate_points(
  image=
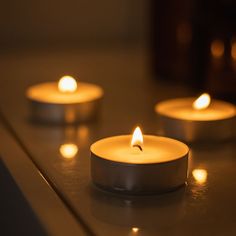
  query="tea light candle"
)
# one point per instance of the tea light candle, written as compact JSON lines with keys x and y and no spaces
{"x":192,"y":119}
{"x":139,"y":164}
{"x":65,"y":101}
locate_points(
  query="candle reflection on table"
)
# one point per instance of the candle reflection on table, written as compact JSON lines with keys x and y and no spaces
{"x":77,"y":134}
{"x":200,"y":176}
{"x":135,"y":229}
{"x":68,"y":150}
{"x":140,"y":214}
{"x":83,"y":134}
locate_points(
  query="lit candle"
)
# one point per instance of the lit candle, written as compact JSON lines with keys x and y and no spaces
{"x":192,"y":119}
{"x":65,"y":101}
{"x":139,"y":164}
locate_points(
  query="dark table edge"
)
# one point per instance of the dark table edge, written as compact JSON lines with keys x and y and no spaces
{"x":53,"y":214}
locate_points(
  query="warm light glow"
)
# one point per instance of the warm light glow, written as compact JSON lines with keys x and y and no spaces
{"x":137,"y":138}
{"x":233,"y":50}
{"x":135,"y":229}
{"x":217,"y":48}
{"x":67,"y":84}
{"x":68,"y":150}
{"x":200,"y":175}
{"x":202,"y":102}
{"x":83,"y":132}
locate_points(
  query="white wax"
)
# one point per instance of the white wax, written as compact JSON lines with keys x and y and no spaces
{"x":49,"y":93}
{"x":155,"y":149}
{"x":181,"y":108}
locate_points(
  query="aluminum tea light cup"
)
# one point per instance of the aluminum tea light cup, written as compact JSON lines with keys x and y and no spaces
{"x":65,"y":101}
{"x":139,"y":164}
{"x":192,"y":119}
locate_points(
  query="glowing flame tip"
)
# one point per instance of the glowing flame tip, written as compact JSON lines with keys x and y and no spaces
{"x":202,"y":102}
{"x":137,"y":138}
{"x":67,"y":84}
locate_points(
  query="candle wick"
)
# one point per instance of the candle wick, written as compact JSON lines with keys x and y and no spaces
{"x":138,"y":146}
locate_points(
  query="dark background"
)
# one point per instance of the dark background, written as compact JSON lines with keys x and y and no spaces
{"x":188,"y":41}
{"x":72,"y":23}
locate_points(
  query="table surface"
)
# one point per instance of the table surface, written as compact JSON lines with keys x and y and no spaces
{"x":130,"y":95}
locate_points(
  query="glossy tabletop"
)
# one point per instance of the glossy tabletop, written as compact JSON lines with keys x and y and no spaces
{"x":205,"y":206}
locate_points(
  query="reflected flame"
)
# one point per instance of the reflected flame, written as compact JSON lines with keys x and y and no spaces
{"x":68,"y":150}
{"x":217,"y":48}
{"x":233,"y":51}
{"x":135,"y":229}
{"x":200,"y":175}
{"x":202,"y":102}
{"x":67,"y":84}
{"x":83,"y":132}
{"x":137,"y":138}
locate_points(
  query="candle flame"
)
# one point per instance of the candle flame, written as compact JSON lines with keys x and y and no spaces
{"x":68,"y":150}
{"x":67,"y":84}
{"x":202,"y":102}
{"x":137,"y":138}
{"x":200,"y":175}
